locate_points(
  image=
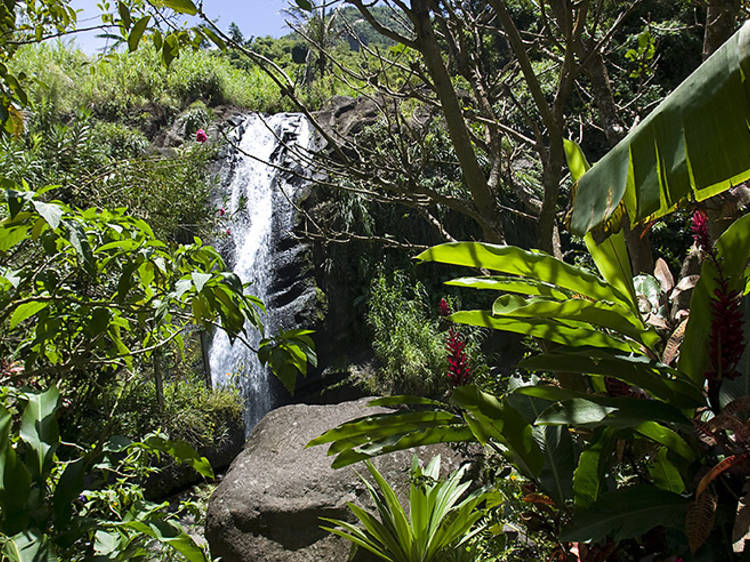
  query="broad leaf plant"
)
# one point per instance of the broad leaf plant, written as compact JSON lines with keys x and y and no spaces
{"x":633,"y":423}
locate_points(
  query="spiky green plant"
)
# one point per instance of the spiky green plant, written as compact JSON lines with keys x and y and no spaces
{"x":437,"y":524}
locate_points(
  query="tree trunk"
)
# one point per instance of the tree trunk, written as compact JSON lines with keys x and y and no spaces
{"x":551,"y":184}
{"x":158,"y":380}
{"x":206,"y":362}
{"x":721,"y":22}
{"x":474,"y":177}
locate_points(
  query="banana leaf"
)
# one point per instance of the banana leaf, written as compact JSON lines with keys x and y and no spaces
{"x":695,"y":144}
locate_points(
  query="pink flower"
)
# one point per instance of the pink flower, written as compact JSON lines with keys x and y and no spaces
{"x":222,"y":212}
{"x":201,"y":136}
{"x":228,"y":232}
{"x":700,"y":231}
{"x":444,"y":309}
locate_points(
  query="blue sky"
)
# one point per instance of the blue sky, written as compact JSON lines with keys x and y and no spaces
{"x":254,"y":17}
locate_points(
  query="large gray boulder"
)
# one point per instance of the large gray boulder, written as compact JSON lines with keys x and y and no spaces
{"x":267,"y":507}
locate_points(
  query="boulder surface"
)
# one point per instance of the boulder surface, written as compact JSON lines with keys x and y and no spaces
{"x":267,"y":507}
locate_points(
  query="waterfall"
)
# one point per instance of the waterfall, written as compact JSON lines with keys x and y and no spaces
{"x":259,"y":213}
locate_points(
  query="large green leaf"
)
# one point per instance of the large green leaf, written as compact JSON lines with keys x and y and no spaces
{"x":39,"y":430}
{"x":578,"y":164}
{"x":25,"y":311}
{"x":667,"y":437}
{"x":181,"y":451}
{"x":15,"y":481}
{"x":489,"y":417}
{"x":588,"y":474}
{"x":570,"y":333}
{"x":168,"y":534}
{"x":656,"y":379}
{"x":444,"y":433}
{"x":510,"y":284}
{"x":599,"y":313}
{"x":695,"y":144}
{"x":733,"y":249}
{"x":379,"y":434}
{"x":28,"y":546}
{"x":373,"y":428}
{"x":182,"y":6}
{"x":533,"y":265}
{"x":68,"y":488}
{"x":613,"y":262}
{"x":559,"y":461}
{"x":574,"y":407}
{"x":134,"y":37}
{"x":627,"y":513}
{"x":664,"y":473}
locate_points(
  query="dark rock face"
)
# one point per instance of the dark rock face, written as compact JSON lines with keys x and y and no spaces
{"x":342,"y":116}
{"x":268,"y":506}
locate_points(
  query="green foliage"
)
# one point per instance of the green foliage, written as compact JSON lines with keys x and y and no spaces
{"x":438,"y":523}
{"x":118,"y":141}
{"x":136,"y":87}
{"x":70,"y":507}
{"x":195,"y":117}
{"x":691,"y":147}
{"x":106,"y":164}
{"x":534,"y":424}
{"x":108,"y":287}
{"x":406,"y":338}
{"x":288,"y":354}
{"x":192,"y":413}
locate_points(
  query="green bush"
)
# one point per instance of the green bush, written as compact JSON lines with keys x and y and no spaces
{"x":195,"y":117}
{"x":119,"y":141}
{"x":437,"y":526}
{"x":194,"y":76}
{"x":136,"y":86}
{"x":192,"y":413}
{"x":406,"y":337}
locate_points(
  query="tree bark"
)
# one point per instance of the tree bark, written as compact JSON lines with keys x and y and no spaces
{"x":204,"y":356}
{"x":721,"y":22}
{"x":474,"y":177}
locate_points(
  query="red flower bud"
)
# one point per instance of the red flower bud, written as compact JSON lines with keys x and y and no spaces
{"x":444,"y":309}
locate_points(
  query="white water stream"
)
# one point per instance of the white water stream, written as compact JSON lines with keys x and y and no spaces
{"x":258,"y":212}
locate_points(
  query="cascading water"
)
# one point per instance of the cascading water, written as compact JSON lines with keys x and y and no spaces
{"x":259,"y":213}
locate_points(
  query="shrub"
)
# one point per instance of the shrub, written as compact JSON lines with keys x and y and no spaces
{"x":406,"y":338}
{"x":119,"y":141}
{"x":437,"y":527}
{"x":197,"y":116}
{"x":192,"y":413}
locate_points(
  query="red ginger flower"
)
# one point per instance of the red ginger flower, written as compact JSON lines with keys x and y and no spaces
{"x":201,"y":136}
{"x":444,"y":309}
{"x":727,"y":340}
{"x":700,"y":231}
{"x":459,"y":372}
